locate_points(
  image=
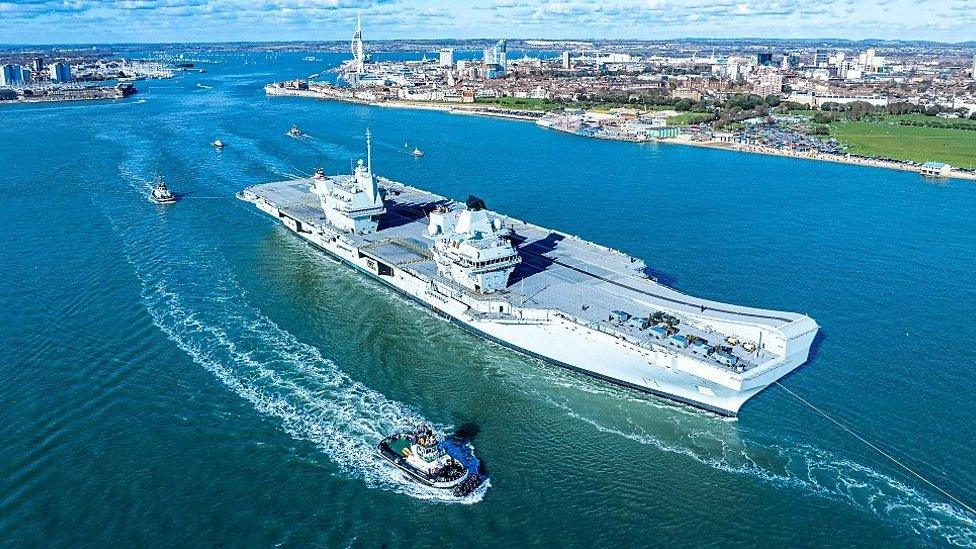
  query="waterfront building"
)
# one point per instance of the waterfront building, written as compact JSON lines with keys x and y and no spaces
{"x":659,"y":119}
{"x":7,"y":74}
{"x":14,"y":75}
{"x":60,"y":72}
{"x":446,"y":57}
{"x":935,"y":169}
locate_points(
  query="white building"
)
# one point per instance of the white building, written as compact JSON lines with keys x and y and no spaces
{"x":936,"y":169}
{"x":409,"y":94}
{"x":658,"y":119}
{"x":876,"y":100}
{"x":566,"y":60}
{"x":870,"y":61}
{"x":738,"y":67}
{"x":849,"y":70}
{"x":616,"y":58}
{"x":446,"y":57}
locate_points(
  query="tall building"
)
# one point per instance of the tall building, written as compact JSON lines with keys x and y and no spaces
{"x":7,"y":74}
{"x":764,"y":59}
{"x":566,"y":63}
{"x":870,"y":61}
{"x":358,"y":57}
{"x":821,"y":59}
{"x":446,"y":57}
{"x":14,"y":75}
{"x":790,"y":61}
{"x":60,"y":72}
{"x":37,"y":65}
{"x":736,"y":68}
{"x":497,"y":55}
{"x":974,"y":68}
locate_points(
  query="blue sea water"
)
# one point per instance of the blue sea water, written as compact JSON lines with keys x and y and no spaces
{"x":195,"y":375}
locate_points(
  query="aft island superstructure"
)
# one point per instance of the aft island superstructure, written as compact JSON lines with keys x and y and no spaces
{"x":541,"y":292}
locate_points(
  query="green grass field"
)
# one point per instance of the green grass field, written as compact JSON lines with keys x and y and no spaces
{"x":523,"y":103}
{"x":689,"y":118}
{"x":921,"y":144}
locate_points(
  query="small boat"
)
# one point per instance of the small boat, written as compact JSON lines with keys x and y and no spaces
{"x":218,"y":144}
{"x":161,"y":194}
{"x":417,"y":152}
{"x":425,"y":458}
{"x":295,"y":131}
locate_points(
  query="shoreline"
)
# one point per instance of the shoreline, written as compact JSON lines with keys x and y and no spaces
{"x":768,"y":151}
{"x":506,"y":114}
{"x":470,"y":109}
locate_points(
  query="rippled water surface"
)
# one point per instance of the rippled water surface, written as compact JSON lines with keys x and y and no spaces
{"x":196,"y":375}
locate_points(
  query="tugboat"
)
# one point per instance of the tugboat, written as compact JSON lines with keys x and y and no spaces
{"x":417,"y":152}
{"x":442,"y":464}
{"x":218,"y":144}
{"x":295,"y":131}
{"x":161,"y":194}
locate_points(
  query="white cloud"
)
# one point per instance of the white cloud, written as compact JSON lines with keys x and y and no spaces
{"x":175,"y":20}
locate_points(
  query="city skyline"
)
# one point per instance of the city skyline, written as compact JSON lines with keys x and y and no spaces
{"x":79,"y":21}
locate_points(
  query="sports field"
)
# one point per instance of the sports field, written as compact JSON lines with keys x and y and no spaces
{"x":921,"y":144}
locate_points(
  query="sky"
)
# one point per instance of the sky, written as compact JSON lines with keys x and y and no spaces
{"x":105,"y":21}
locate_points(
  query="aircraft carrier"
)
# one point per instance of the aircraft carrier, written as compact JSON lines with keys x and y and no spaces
{"x":542,"y":292}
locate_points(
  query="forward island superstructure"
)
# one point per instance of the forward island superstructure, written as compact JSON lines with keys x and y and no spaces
{"x":541,"y":292}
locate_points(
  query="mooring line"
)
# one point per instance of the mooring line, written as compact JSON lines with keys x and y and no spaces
{"x":879,"y":450}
